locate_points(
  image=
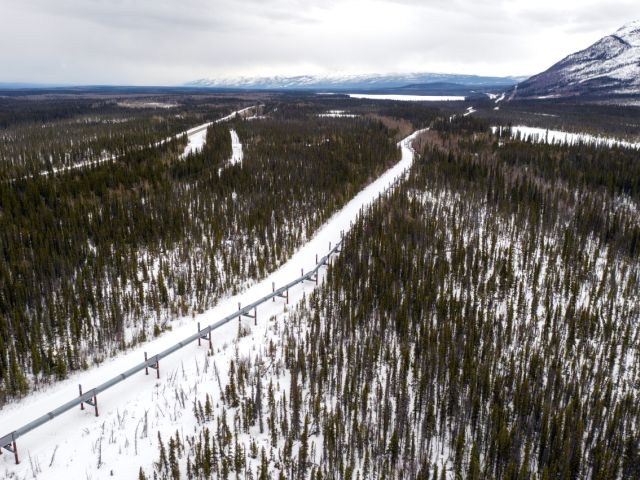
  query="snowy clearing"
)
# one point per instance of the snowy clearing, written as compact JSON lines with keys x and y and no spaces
{"x":236,"y":148}
{"x":133,"y":412}
{"x":195,"y":142}
{"x":197,"y":136}
{"x":147,"y":105}
{"x":337,"y":114}
{"x":541,"y":135}
{"x":408,"y":98}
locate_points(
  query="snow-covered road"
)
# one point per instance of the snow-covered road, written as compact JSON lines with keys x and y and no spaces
{"x":79,"y":445}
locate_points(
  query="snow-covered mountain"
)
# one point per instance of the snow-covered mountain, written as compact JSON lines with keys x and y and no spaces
{"x":609,"y":67}
{"x":342,"y":82}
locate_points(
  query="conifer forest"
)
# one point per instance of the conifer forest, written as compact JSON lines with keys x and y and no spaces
{"x":481,"y":319}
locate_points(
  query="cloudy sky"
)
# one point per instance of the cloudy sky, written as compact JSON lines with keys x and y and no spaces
{"x":167,"y":42}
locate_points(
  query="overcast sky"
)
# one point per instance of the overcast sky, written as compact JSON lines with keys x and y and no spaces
{"x":167,"y":42}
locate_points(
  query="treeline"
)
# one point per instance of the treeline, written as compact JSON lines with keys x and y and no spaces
{"x":473,"y":327}
{"x":97,"y":259}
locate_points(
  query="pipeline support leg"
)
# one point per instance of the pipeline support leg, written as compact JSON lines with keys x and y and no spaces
{"x":13,"y":448}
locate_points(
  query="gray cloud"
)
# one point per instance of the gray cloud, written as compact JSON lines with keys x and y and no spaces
{"x":171,"y":41}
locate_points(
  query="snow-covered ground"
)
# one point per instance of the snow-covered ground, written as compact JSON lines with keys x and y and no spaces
{"x":236,"y":148}
{"x":195,"y":142}
{"x":147,"y":105}
{"x":337,"y":114}
{"x":197,"y":136}
{"x":409,"y":98}
{"x":541,"y":135}
{"x":125,"y":436}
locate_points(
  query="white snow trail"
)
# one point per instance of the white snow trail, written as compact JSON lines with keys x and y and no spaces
{"x":236,"y":148}
{"x":197,"y":136}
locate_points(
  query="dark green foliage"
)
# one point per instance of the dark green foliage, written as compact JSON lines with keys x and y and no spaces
{"x":471,"y":328}
{"x":92,"y":253}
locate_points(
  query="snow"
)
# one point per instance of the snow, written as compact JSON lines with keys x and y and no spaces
{"x":408,"y":98}
{"x":196,"y":141}
{"x":147,"y":105}
{"x":541,"y":135}
{"x":337,"y":114}
{"x":197,"y":136}
{"x":236,"y":148}
{"x":469,"y":111}
{"x":612,"y":60}
{"x":80,"y":445}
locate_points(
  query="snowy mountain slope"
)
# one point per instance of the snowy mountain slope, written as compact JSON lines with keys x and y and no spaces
{"x":341,"y":82}
{"x":611,"y":66}
{"x":125,"y":436}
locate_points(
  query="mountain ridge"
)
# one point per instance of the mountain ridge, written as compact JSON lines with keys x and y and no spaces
{"x":609,"y":67}
{"x":343,"y":82}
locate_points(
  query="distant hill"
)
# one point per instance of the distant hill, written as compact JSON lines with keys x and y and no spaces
{"x":356,"y":82}
{"x":610,"y":67}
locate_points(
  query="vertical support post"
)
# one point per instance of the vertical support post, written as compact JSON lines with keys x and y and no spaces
{"x":255,"y":316}
{"x":157,"y":368}
{"x":81,"y":403}
{"x":287,"y":302}
{"x":95,"y":404}
{"x":273,"y":290}
{"x":316,"y":258}
{"x":199,"y":335}
{"x":146,"y":369}
{"x":15,"y":452}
